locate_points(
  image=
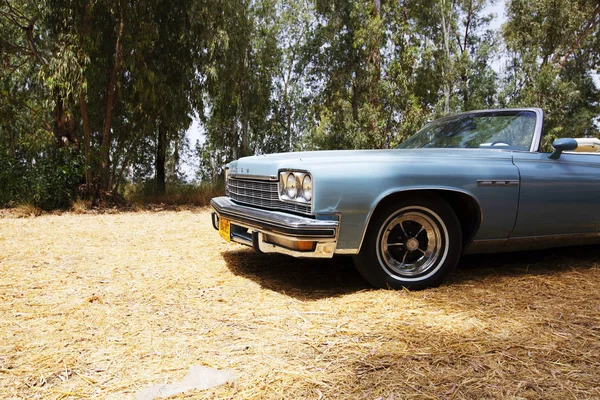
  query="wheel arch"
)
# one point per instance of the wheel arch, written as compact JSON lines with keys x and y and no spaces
{"x":464,"y":204}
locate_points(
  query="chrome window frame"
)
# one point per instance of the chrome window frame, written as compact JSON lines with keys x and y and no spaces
{"x":536,"y":139}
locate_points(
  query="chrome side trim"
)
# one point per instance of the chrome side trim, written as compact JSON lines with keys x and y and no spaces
{"x":413,"y":189}
{"x":551,"y":241}
{"x":532,"y":243}
{"x":496,"y":182}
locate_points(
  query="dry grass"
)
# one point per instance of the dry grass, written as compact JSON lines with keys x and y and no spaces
{"x":81,"y":206}
{"x":25,"y":210}
{"x":99,"y":306}
{"x":197,"y":195}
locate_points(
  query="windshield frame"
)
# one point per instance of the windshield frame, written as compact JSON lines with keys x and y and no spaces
{"x":537,"y":133}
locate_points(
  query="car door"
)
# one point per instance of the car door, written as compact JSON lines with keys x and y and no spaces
{"x":558,"y":199}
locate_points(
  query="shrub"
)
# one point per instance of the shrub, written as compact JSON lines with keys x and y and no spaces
{"x":49,"y":181}
{"x":177,"y":193}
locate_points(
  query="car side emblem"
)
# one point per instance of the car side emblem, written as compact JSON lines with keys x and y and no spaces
{"x":497,"y":182}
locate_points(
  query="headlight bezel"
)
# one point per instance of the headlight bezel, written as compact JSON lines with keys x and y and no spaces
{"x":299,"y":175}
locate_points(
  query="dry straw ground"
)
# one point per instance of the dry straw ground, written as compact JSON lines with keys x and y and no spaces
{"x":100,"y":306}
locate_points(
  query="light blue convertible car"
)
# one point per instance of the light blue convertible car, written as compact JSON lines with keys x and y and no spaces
{"x":475,"y":182}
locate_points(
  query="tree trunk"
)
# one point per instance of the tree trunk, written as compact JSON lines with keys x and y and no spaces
{"x":375,"y":59}
{"x":234,"y":140}
{"x":86,"y":139}
{"x":175,"y":164}
{"x":110,"y":102}
{"x":161,"y":153}
{"x":244,"y":100}
{"x":288,"y":124}
{"x":244,"y":148}
{"x":64,"y":126}
{"x":589,"y":28}
{"x":354,"y":102}
{"x":464,"y":76}
{"x":130,"y":152}
{"x":446,"y":69}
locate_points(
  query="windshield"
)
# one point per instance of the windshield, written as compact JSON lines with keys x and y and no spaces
{"x":498,"y":129}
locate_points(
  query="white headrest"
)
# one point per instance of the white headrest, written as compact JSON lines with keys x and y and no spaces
{"x":587,"y":145}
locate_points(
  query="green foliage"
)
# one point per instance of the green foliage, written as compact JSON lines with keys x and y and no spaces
{"x":102,"y":92}
{"x":50,"y":181}
{"x":554,"y":51}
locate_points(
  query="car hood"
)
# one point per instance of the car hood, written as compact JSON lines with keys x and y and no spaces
{"x":270,"y":164}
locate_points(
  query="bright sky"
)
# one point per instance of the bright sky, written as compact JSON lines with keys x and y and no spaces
{"x":498,"y":9}
{"x":190,"y":163}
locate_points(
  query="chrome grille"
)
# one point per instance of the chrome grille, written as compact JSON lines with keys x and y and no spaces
{"x":261,"y":194}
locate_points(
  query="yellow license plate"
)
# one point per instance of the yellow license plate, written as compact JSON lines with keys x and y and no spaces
{"x":225,"y":229}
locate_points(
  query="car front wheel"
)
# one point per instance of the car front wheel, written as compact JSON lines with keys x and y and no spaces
{"x":414,"y":243}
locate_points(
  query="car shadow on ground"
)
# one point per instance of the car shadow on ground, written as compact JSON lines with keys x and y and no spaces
{"x":313,"y":279}
{"x":305,"y":279}
{"x":538,"y":262}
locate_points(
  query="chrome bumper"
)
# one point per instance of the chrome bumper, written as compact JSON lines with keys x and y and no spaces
{"x":274,"y":231}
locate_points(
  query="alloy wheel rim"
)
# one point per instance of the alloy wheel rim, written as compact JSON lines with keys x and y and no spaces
{"x":411,"y":243}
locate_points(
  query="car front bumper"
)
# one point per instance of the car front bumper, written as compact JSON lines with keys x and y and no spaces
{"x":277,"y":232}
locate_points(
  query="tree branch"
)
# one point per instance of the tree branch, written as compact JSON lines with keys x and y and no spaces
{"x":31,"y":42}
{"x":14,"y":48}
{"x":468,"y":25}
{"x":14,"y":68}
{"x":14,"y":15}
{"x":590,"y":26}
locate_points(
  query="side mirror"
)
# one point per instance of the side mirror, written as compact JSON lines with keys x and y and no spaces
{"x":561,"y":145}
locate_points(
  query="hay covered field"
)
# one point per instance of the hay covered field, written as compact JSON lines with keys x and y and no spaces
{"x":101,"y":306}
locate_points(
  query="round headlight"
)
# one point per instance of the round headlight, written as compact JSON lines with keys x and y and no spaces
{"x":291,"y":189}
{"x":307,"y":188}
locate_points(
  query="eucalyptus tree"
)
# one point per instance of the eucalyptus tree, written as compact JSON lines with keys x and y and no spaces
{"x":40,"y":74}
{"x":121,"y":77}
{"x":554,"y":49}
{"x":290,"y":93}
{"x":343,"y":61}
{"x":140,"y":82}
{"x":239,"y":81}
{"x":40,"y":60}
{"x":458,"y":49}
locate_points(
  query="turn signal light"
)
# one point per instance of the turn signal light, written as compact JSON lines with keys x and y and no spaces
{"x":305,"y":246}
{"x":300,"y":245}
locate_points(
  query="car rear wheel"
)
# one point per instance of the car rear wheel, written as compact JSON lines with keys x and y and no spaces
{"x":414,"y":244}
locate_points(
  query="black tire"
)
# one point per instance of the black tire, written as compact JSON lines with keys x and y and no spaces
{"x":414,"y":243}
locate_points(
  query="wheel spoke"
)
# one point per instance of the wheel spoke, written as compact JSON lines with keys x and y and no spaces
{"x":404,"y":258}
{"x":420,"y":230}
{"x":423,"y":251}
{"x":395,"y":244}
{"x":402,"y":227}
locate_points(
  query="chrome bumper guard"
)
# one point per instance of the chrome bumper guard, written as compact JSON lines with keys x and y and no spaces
{"x":276,"y":232}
